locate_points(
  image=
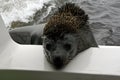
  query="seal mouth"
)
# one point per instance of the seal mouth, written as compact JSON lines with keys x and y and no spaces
{"x":58,"y":62}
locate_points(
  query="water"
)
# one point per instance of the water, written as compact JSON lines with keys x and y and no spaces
{"x":13,"y":10}
{"x":104,"y":20}
{"x":104,"y":15}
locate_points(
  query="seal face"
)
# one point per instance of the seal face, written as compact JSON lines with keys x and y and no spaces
{"x":59,"y":51}
{"x":66,"y":34}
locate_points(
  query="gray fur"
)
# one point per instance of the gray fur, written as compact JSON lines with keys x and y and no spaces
{"x":67,"y":34}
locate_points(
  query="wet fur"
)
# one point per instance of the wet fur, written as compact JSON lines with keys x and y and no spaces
{"x":70,"y":19}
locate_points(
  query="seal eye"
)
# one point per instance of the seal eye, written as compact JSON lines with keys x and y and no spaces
{"x":67,"y":46}
{"x":48,"y":46}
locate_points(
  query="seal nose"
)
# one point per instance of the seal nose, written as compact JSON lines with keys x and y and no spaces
{"x":57,"y":59}
{"x":58,"y":62}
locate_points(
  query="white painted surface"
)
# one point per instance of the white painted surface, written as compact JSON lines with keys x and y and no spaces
{"x":104,"y":60}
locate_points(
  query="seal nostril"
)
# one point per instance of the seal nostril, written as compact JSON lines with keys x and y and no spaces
{"x":57,"y":59}
{"x":58,"y":62}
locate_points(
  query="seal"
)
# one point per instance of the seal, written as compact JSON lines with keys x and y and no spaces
{"x":66,"y":34}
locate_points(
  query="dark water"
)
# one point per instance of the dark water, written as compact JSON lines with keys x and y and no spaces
{"x":104,"y":19}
